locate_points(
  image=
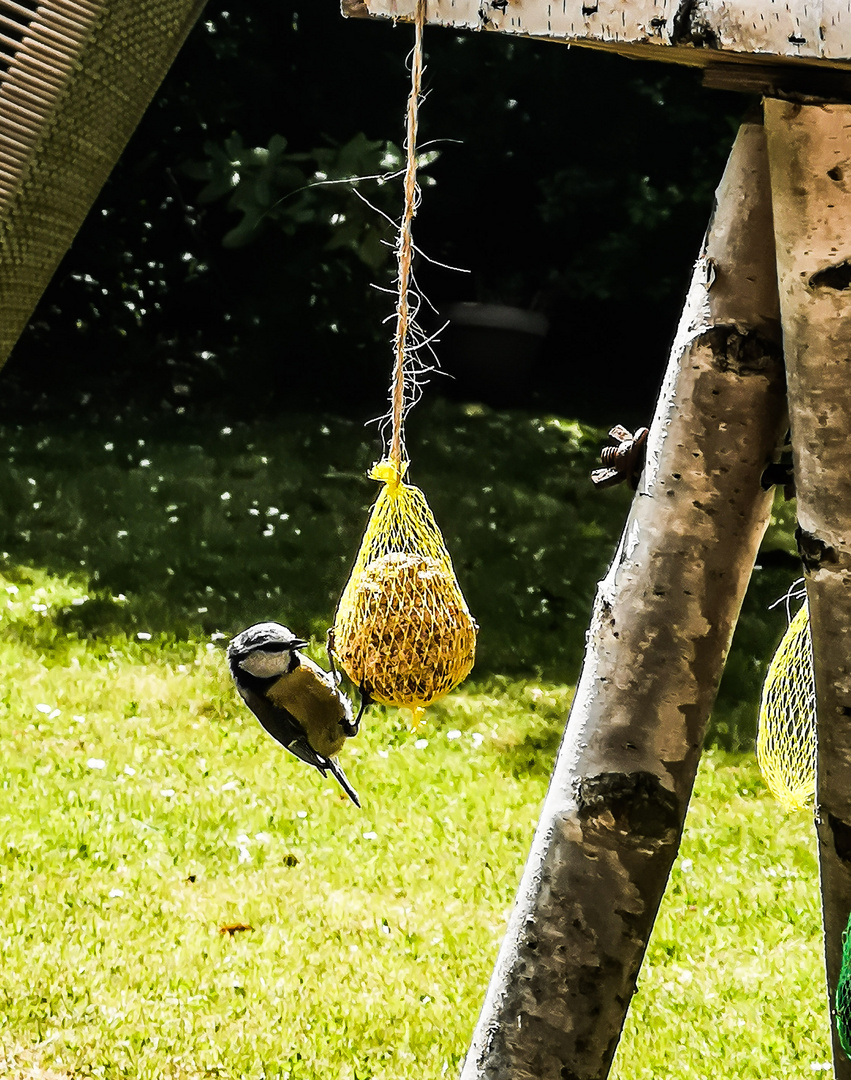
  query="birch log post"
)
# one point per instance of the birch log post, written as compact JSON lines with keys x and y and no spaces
{"x":661,"y":628}
{"x":810,"y":155}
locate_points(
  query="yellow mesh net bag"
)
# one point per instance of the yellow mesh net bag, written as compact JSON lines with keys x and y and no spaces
{"x":403,"y":632}
{"x":786,"y":739}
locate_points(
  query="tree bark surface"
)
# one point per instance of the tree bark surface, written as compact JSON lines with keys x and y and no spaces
{"x":810,"y":154}
{"x":699,"y":32}
{"x":661,"y":627}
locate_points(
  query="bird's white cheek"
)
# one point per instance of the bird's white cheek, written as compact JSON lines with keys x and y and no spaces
{"x":264,"y":665}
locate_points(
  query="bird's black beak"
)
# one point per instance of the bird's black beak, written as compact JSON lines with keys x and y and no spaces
{"x":297,"y":643}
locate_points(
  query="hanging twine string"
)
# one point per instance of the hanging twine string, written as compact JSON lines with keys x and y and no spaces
{"x":403,"y":632}
{"x":405,"y":247}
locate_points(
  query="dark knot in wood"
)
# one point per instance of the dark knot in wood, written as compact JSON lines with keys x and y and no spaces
{"x":836,"y":277}
{"x":624,"y":461}
{"x":814,"y":552}
{"x":841,"y":837}
{"x":690,"y":26}
{"x":634,"y":806}
{"x":742,"y":353}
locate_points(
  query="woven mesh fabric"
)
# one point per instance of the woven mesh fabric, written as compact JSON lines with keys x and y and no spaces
{"x":73,"y":92}
{"x":786,"y":741}
{"x":843,"y":993}
{"x":403,"y":631}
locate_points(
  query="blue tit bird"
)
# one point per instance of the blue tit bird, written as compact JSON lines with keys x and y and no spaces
{"x":294,"y":699}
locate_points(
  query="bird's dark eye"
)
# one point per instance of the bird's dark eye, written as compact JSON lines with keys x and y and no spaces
{"x":274,"y":647}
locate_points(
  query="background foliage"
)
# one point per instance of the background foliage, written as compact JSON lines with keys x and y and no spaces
{"x":569,"y":180}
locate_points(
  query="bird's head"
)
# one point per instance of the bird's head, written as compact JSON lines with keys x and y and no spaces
{"x":265,"y":651}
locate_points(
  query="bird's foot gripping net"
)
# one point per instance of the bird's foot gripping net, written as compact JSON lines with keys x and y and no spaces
{"x":403,"y":631}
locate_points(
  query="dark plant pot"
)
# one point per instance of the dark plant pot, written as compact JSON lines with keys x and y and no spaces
{"x":488,"y":352}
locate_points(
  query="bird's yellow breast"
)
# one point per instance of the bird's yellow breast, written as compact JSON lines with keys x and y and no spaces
{"x":315,"y":706}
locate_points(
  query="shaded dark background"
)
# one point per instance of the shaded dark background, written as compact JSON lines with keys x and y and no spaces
{"x":567,"y":180}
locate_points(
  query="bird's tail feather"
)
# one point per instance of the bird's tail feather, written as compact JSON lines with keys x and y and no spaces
{"x":342,"y":780}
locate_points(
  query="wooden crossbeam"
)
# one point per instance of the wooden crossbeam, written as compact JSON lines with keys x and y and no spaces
{"x":754,"y":45}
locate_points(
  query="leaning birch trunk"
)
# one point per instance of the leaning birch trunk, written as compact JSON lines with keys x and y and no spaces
{"x":662,"y":624}
{"x":810,"y":154}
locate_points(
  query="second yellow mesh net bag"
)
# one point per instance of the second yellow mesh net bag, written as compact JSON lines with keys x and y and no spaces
{"x":786,"y":738}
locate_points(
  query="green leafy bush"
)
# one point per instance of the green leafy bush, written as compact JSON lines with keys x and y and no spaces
{"x":268,"y":186}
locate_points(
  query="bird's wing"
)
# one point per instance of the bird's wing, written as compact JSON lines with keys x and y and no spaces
{"x":277,"y":721}
{"x":284,"y":727}
{"x":331,"y":682}
{"x":302,"y":749}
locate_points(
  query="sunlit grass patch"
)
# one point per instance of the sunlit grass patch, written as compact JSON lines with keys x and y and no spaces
{"x":142,"y":810}
{"x":733,"y":980}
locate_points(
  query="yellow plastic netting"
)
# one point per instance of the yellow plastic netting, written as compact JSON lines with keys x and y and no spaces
{"x":403,"y":631}
{"x":786,"y":740}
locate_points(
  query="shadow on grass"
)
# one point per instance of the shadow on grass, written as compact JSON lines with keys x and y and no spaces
{"x":535,"y":754}
{"x":210,"y":528}
{"x":207,"y":528}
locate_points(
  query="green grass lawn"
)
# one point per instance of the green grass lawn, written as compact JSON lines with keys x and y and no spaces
{"x":208,"y":527}
{"x":142,"y":808}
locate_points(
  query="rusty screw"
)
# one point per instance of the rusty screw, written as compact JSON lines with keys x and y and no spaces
{"x":624,"y":461}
